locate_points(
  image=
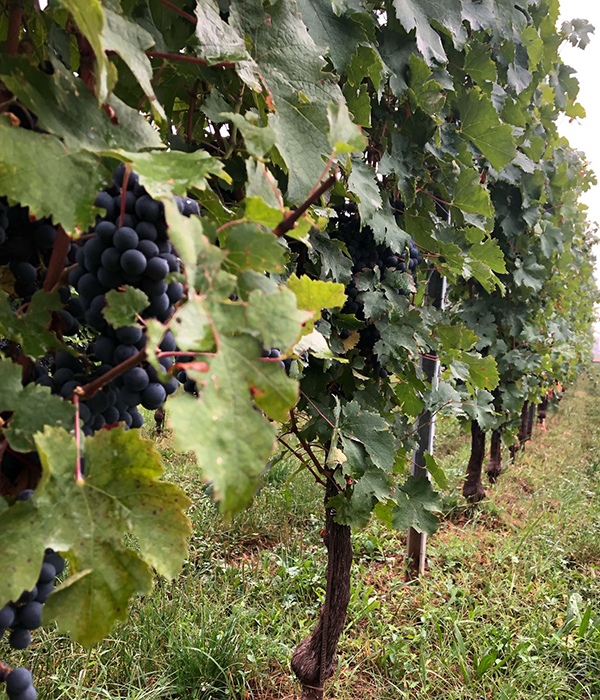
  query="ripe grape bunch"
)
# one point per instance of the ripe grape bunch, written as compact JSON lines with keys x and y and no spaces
{"x":25,"y":247}
{"x":129,"y":246}
{"x":23,"y":616}
{"x":367,"y":255}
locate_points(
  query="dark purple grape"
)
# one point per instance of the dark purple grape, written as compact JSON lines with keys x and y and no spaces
{"x":125,"y":238}
{"x":157,"y":269}
{"x":20,"y":638}
{"x":153,"y":396}
{"x":136,"y":379}
{"x":133,"y":262}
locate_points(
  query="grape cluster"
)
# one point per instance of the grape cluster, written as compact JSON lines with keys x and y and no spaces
{"x":130,"y":250}
{"x":25,"y":615}
{"x":367,"y":254}
{"x":19,"y":684}
{"x":26,"y":246}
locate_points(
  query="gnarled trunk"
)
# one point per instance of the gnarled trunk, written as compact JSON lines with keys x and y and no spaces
{"x":522,"y":434}
{"x":493,"y":468}
{"x":473,"y":489}
{"x":311,"y":653}
{"x":530,"y":420}
{"x":542,"y":412}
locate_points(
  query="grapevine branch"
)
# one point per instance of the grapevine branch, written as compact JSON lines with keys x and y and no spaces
{"x":179,"y":11}
{"x":188,"y":59}
{"x":190,"y":119}
{"x":56,"y":265}
{"x":14,"y":28}
{"x":307,"y":448}
{"x":87,"y":391}
{"x":299,"y":456}
{"x":288,"y":223}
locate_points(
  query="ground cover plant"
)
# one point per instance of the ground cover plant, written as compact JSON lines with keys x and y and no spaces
{"x":242,"y":218}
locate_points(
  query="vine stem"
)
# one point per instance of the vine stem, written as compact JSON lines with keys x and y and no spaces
{"x":190,"y":119}
{"x":306,"y":447}
{"x":184,"y":58}
{"x":318,"y":410}
{"x":124,"y":192}
{"x":288,"y":223}
{"x":78,"y":474}
{"x":14,"y":28}
{"x":57,"y":259}
{"x":179,"y":11}
{"x":299,"y":456}
{"x":87,"y":391}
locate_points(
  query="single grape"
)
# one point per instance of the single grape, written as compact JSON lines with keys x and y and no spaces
{"x":129,"y":335}
{"x":7,"y":616}
{"x":133,"y":262}
{"x":20,"y":638}
{"x":157,"y":269}
{"x":18,"y":680}
{"x":48,"y":573}
{"x":153,"y":396}
{"x":136,"y":379}
{"x":125,"y":238}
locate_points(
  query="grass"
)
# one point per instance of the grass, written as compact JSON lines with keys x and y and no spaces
{"x":509,"y":608}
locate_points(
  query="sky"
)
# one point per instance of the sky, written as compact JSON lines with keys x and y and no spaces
{"x":584,"y":134}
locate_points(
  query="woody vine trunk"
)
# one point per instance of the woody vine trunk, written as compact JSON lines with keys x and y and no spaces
{"x":313,"y":660}
{"x":493,"y":468}
{"x":473,"y":489}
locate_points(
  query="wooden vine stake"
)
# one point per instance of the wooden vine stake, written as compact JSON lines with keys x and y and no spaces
{"x":416,"y":542}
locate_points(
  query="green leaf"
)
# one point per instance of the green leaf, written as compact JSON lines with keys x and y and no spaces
{"x":62,"y":185}
{"x":363,"y":184}
{"x":67,"y":109}
{"x":126,"y":38}
{"x":483,"y":372}
{"x":416,"y":504}
{"x":259,"y":140}
{"x":315,"y":295}
{"x":201,"y":260}
{"x":366,"y":63}
{"x":481,"y":125}
{"x":251,"y":248}
{"x":165,"y":173}
{"x":437,"y":473}
{"x":120,"y":495}
{"x":231,"y":440}
{"x":411,"y":404}
{"x":419,"y":15}
{"x":30,"y":329}
{"x":88,"y":15}
{"x":470,"y":196}
{"x":36,"y":407}
{"x":276,"y":318}
{"x":426,"y":92}
{"x":338,"y":36}
{"x":123,"y":307}
{"x":218,"y":40}
{"x":479,"y":65}
{"x":371,"y":430}
{"x":344,"y":135}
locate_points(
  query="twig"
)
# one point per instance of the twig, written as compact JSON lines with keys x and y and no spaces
{"x":179,"y":11}
{"x":307,"y":448}
{"x":78,"y":475}
{"x":317,"y":410}
{"x":87,"y":391}
{"x":57,"y":259}
{"x":299,"y":456}
{"x":288,"y":223}
{"x":14,"y":29}
{"x":188,"y":59}
{"x":124,"y":192}
{"x":190,"y":119}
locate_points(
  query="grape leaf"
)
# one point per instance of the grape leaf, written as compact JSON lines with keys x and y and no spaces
{"x":258,"y":139}
{"x":419,"y":15}
{"x":30,"y":329}
{"x":88,"y":15}
{"x":372,"y":431}
{"x":126,"y":38}
{"x":120,"y":494}
{"x":66,"y":108}
{"x":315,"y":295}
{"x":344,"y":135}
{"x":416,"y":504}
{"x":218,"y":40}
{"x":123,"y":307}
{"x":164,"y":173}
{"x":276,"y":318}
{"x":62,"y":185}
{"x":232,"y":441}
{"x":250,"y":248}
{"x":481,"y":125}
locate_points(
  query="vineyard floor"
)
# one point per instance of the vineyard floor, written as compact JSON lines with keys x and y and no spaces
{"x":509,"y":608}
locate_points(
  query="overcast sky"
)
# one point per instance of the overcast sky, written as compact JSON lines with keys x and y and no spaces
{"x":584,"y":134}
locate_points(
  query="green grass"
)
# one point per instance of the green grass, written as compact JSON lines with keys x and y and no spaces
{"x":509,"y":607}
